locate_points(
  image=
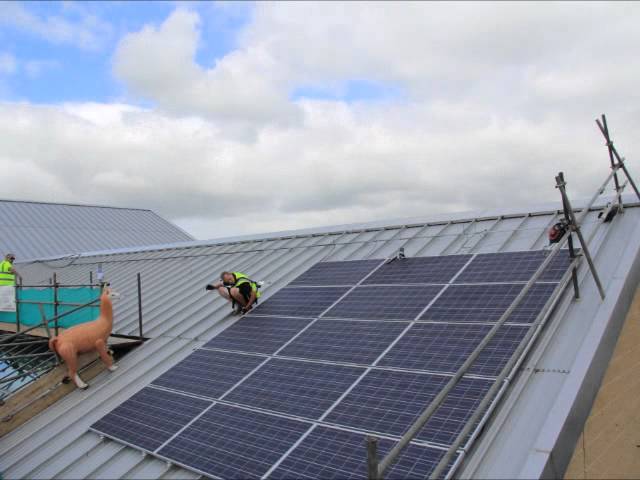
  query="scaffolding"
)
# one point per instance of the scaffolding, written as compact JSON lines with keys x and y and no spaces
{"x":24,"y":352}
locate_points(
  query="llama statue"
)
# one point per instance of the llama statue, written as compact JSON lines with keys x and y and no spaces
{"x":87,"y":337}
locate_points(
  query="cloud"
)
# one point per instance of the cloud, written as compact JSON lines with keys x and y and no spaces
{"x":8,"y":64}
{"x":78,"y":28}
{"x":158,"y":63}
{"x":497,"y":98}
{"x":347,"y":164}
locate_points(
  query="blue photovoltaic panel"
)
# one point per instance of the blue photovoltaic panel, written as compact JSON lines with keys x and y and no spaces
{"x":388,"y":303}
{"x":487,"y":303}
{"x":300,"y":301}
{"x":328,"y":453}
{"x":556,"y":269}
{"x":258,"y":334}
{"x":297,"y":388}
{"x":337,"y":273}
{"x":208,"y":373}
{"x":389,"y":402}
{"x":150,"y":417}
{"x":350,"y":341}
{"x":440,"y":347}
{"x":240,"y":440}
{"x":419,"y":270}
{"x":513,"y":267}
{"x":230,"y":442}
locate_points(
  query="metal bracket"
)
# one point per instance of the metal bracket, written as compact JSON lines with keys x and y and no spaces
{"x":398,"y":256}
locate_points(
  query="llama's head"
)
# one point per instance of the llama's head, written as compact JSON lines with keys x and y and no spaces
{"x":110,"y":293}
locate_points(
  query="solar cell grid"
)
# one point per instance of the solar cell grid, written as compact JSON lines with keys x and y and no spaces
{"x":419,"y":270}
{"x":258,"y":334}
{"x":236,"y":442}
{"x":558,"y":266}
{"x":208,"y":373}
{"x":150,"y":417}
{"x":388,"y":303}
{"x":230,"y":442}
{"x":444,"y":348}
{"x":512,"y":267}
{"x":300,"y":301}
{"x":337,"y":273}
{"x":329,"y":453}
{"x":390,"y":401}
{"x":294,"y":387}
{"x":487,"y":303}
{"x":349,"y":341}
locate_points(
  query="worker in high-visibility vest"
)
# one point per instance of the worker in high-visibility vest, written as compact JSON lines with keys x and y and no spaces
{"x":8,"y":274}
{"x":239,"y":289}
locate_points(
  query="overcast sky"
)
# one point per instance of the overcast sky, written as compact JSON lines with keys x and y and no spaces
{"x":231,"y":118}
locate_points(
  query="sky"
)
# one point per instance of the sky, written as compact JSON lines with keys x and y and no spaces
{"x":232,"y":118}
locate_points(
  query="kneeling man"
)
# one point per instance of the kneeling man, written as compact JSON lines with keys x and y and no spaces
{"x":239,"y":289}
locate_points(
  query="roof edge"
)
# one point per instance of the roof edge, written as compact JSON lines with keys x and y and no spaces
{"x":66,"y":204}
{"x":453,"y":217}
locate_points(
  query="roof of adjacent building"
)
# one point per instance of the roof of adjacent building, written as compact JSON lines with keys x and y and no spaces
{"x":39,"y":229}
{"x":532,"y":432}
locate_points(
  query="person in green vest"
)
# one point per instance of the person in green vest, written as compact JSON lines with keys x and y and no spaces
{"x":8,"y":274}
{"x":239,"y":289}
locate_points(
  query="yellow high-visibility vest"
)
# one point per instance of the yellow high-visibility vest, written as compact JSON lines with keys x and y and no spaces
{"x":242,"y":278}
{"x":6,"y":277}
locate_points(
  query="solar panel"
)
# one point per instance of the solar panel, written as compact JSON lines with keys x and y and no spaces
{"x":230,"y":442}
{"x":439,"y":347}
{"x":388,"y":402}
{"x":297,"y":388}
{"x":513,"y":267}
{"x":487,"y":303}
{"x":419,"y":270}
{"x":258,"y":334}
{"x":328,"y":453}
{"x":555,"y":270}
{"x":300,"y":302}
{"x":390,"y":303}
{"x":208,"y":373}
{"x":350,"y":341}
{"x":150,"y":417}
{"x":270,"y":402}
{"x":336,"y":273}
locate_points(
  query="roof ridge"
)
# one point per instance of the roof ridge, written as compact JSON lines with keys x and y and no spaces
{"x":89,"y":205}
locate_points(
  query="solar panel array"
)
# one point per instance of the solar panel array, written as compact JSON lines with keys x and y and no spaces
{"x":347,"y":349}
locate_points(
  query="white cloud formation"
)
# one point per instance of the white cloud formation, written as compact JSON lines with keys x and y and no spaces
{"x":346,"y":164}
{"x":84,"y":30}
{"x":498,"y":99}
{"x":158,"y":63}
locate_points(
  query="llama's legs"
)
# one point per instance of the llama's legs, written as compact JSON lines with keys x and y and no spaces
{"x":70,"y":357}
{"x":101,"y":347}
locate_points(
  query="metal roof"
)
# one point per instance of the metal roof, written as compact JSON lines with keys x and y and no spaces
{"x":38,"y":229}
{"x":533,"y":431}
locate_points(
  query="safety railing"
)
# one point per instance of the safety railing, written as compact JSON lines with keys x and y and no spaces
{"x":24,"y":354}
{"x":57,"y":303}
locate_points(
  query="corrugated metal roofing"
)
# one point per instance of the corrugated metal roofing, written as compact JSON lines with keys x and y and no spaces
{"x":37,"y":229}
{"x":179,"y":315}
